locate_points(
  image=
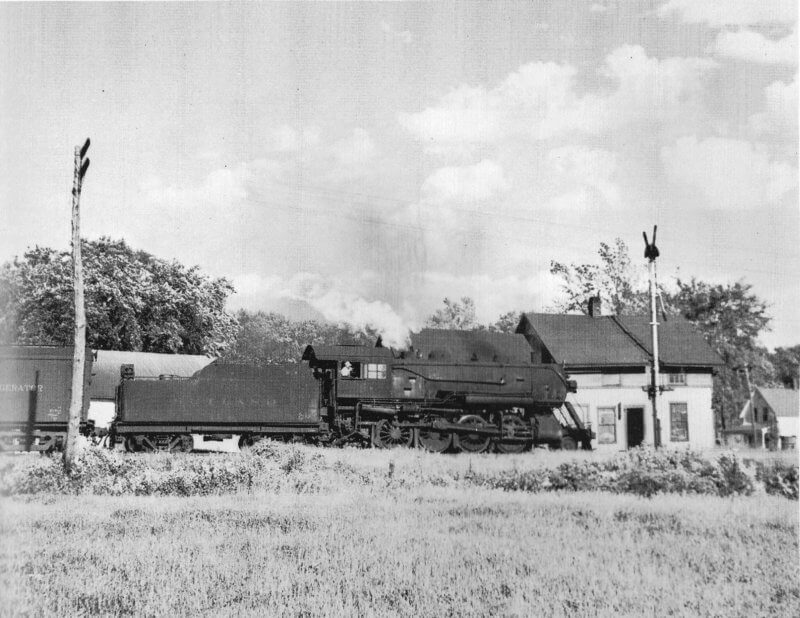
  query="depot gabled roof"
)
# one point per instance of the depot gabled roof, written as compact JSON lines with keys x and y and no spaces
{"x":617,"y":341}
{"x":679,"y":342}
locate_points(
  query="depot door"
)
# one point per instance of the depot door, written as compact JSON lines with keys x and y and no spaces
{"x":635,"y":426}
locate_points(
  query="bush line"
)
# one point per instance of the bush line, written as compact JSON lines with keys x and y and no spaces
{"x":276,"y":467}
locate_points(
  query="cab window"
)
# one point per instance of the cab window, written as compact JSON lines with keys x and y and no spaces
{"x":376,"y":371}
{"x":350,"y":369}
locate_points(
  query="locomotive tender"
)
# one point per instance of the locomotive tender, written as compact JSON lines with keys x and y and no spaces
{"x":449,"y":390}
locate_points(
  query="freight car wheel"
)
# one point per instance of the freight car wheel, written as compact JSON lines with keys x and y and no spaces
{"x":472,"y":442}
{"x":181,"y":443}
{"x":246,"y":442}
{"x":517,"y":435}
{"x":131,"y":446}
{"x":568,"y":443}
{"x":388,"y":434}
{"x":432,"y":440}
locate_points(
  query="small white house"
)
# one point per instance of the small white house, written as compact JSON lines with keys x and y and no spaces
{"x":610,"y":358}
{"x":777,"y":415}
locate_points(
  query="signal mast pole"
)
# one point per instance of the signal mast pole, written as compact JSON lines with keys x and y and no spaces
{"x":651,"y":253}
{"x":79,"y":353}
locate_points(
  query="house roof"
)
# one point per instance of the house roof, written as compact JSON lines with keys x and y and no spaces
{"x":470,"y":346}
{"x":106,"y":367}
{"x":621,"y":341}
{"x":583,"y":340}
{"x":679,"y":343}
{"x":785,"y":402}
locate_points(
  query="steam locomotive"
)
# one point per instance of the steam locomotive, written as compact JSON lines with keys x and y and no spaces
{"x":449,"y":390}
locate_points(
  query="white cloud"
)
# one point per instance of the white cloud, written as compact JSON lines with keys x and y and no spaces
{"x":287,"y":139}
{"x":732,"y":174}
{"x":753,"y":46}
{"x":587,"y":167}
{"x":221,"y":187}
{"x":667,"y":91}
{"x":405,"y":36}
{"x":540,"y":101}
{"x":731,"y":12}
{"x":472,"y":183}
{"x":353,"y":154}
{"x":493,"y":296}
{"x":780,"y":110}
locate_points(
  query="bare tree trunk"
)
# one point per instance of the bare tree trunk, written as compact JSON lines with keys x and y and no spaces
{"x":79,"y":355}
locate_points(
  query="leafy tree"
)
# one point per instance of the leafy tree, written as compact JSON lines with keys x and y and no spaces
{"x":507,"y":323}
{"x":456,"y":315}
{"x":615,"y":280}
{"x":731,"y":319}
{"x":786,"y":362}
{"x":269,"y":338}
{"x":134,"y":301}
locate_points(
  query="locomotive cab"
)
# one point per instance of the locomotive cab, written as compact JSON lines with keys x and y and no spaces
{"x":352,"y":372}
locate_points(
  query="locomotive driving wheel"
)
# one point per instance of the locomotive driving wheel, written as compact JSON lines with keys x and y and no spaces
{"x":517,"y":435}
{"x":432,"y":440}
{"x":473,"y":442}
{"x":389,"y":434}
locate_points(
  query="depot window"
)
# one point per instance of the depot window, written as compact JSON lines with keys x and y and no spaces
{"x":678,"y":422}
{"x":376,"y":371}
{"x":677,"y":379}
{"x":606,"y":426}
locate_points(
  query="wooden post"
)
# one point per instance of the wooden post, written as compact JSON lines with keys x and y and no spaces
{"x":750,"y":401}
{"x":79,"y":353}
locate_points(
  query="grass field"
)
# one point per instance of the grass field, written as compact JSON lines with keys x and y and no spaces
{"x":354,"y":532}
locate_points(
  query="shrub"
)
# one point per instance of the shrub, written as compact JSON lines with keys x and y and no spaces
{"x":274,"y":466}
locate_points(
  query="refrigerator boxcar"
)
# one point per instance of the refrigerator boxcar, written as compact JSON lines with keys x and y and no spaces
{"x":35,"y":395}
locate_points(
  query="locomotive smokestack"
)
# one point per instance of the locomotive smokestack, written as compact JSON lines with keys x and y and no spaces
{"x":595,"y":306}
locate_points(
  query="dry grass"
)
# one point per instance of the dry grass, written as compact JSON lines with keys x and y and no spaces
{"x":354,"y":532}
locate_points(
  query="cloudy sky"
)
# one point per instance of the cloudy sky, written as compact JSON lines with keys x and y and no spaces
{"x":363,"y":161}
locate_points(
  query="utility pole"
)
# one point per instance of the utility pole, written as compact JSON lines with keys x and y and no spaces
{"x":651,"y":253}
{"x":750,"y":400}
{"x":79,"y":353}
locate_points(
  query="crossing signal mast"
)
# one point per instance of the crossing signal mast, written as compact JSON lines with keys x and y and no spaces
{"x":651,"y":253}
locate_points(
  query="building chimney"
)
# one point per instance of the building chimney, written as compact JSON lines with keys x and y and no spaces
{"x":595,"y":307}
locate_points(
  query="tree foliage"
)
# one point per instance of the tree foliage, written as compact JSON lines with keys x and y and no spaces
{"x":270,"y":338}
{"x":134,"y":301}
{"x":786,"y":363}
{"x":507,"y":323}
{"x":731,"y":318}
{"x":459,"y":315}
{"x":614,"y":279}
